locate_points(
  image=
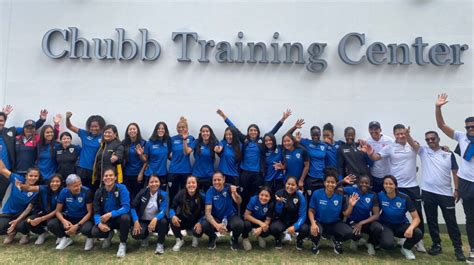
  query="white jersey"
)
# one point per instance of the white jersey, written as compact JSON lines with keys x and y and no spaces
{"x":380,"y":168}
{"x":436,"y":169}
{"x":402,"y":163}
{"x":466,"y":169}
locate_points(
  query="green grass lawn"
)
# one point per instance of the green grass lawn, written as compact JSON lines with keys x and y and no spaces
{"x":74,"y":254}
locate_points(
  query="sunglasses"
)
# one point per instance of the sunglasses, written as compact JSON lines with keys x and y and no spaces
{"x":431,"y":139}
{"x":469,"y":127}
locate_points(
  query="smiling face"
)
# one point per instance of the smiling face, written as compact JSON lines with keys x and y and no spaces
{"x":28,"y":131}
{"x":109,"y":135}
{"x":389,"y":186}
{"x":470,"y":128}
{"x":432,"y":140}
{"x":375,"y":132}
{"x":364,"y":184}
{"x":182,"y":128}
{"x":49,"y":134}
{"x":400,"y":136}
{"x":191,"y":185}
{"x":66,"y":141}
{"x":228,"y":136}
{"x":75,"y":188}
{"x":109,"y":178}
{"x":161,"y":130}
{"x":154,"y":183}
{"x":330,"y":184}
{"x":350,"y":136}
{"x":55,"y":184}
{"x":268,"y":142}
{"x":253,"y":132}
{"x":205,"y":133}
{"x":315,"y":134}
{"x":94,"y":128}
{"x":288,"y":143}
{"x":132,"y":131}
{"x":218,"y":181}
{"x":32,"y":177}
{"x":264,"y":197}
{"x":291,"y":186}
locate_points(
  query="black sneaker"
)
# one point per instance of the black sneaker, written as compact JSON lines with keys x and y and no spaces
{"x":337,"y":247}
{"x":315,"y":249}
{"x":459,"y":254}
{"x":435,"y":250}
{"x":234,"y":244}
{"x":299,"y":244}
{"x":278,"y":244}
{"x":212,"y":243}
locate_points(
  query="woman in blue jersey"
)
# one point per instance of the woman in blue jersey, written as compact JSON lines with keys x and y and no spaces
{"x":325,"y":213}
{"x":111,"y":211}
{"x":295,"y":159}
{"x":180,"y":166}
{"x":44,"y":206}
{"x":15,"y":209}
{"x":333,"y":145}
{"x":272,"y":168}
{"x":394,"y":206}
{"x":221,"y":213}
{"x":133,"y":166}
{"x":251,"y":176}
{"x":230,"y":154}
{"x":73,"y":214}
{"x":47,"y":147}
{"x":90,"y":139}
{"x":204,"y":156}
{"x":364,"y":215}
{"x":148,"y":211}
{"x":258,"y":216}
{"x":290,"y":214}
{"x":187,"y":212}
{"x":156,"y":154}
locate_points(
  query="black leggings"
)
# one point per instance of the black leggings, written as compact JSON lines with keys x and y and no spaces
{"x":175,"y":183}
{"x":340,"y":230}
{"x":232,"y":180}
{"x":184,"y":225}
{"x":373,"y":229}
{"x":277,"y":228}
{"x":248,"y":227}
{"x":415,"y":195}
{"x":133,"y":186}
{"x":466,"y":190}
{"x":56,"y":227}
{"x":250,"y":182}
{"x":204,"y":184}
{"x":4,"y":222}
{"x":235,"y":224}
{"x":275,"y":184}
{"x":398,"y":230}
{"x":161,"y":228}
{"x":122,"y":223}
{"x":25,"y":227}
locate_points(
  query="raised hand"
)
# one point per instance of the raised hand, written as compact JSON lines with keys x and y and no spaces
{"x":286,"y":114}
{"x":7,"y":109}
{"x":57,"y":118}
{"x":278,"y":166}
{"x":353,"y":199}
{"x":221,"y":113}
{"x":442,"y":99}
{"x":139,"y":149}
{"x":299,"y":123}
{"x":298,"y":136}
{"x":68,"y":115}
{"x":218,"y":148}
{"x":43,"y":114}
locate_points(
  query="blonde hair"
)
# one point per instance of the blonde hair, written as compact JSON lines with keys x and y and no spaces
{"x":182,"y":121}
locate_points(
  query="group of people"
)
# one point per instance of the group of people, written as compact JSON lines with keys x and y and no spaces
{"x":303,"y":188}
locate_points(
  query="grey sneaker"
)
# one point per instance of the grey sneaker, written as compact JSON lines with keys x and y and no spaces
{"x":371,"y":249}
{"x":179,"y":243}
{"x":160,"y":249}
{"x":41,"y":238}
{"x":261,"y":242}
{"x":195,"y":242}
{"x":408,"y":253}
{"x":24,"y":239}
{"x":64,"y":242}
{"x":108,"y":241}
{"x":89,"y":244}
{"x":246,"y":243}
{"x":122,"y":250}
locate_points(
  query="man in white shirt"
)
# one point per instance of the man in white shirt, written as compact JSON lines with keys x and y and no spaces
{"x":380,"y":168}
{"x":466,"y":169}
{"x":402,"y":160}
{"x":436,"y":168}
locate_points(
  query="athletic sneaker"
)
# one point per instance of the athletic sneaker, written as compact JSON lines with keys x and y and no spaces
{"x":108,"y":240}
{"x":246,"y":243}
{"x":337,"y":246}
{"x":299,"y":244}
{"x":314,"y":249}
{"x":286,"y":237}
{"x":408,"y":253}
{"x":278,"y":244}
{"x":234,"y":244}
{"x":89,"y":244}
{"x":41,"y":238}
{"x":459,"y":254}
{"x":9,"y":239}
{"x":170,"y":232}
{"x":435,"y":250}
{"x":354,"y":245}
{"x":184,"y":233}
{"x":370,"y":249}
{"x":195,"y":242}
{"x":179,"y":243}
{"x":122,"y":250}
{"x":470,"y":259}
{"x":144,"y":243}
{"x":64,"y":242}
{"x":211,"y":245}
{"x":24,"y":239}
{"x":262,"y":242}
{"x":160,"y":249}
{"x":401,"y":241}
{"x":58,"y":239}
{"x":420,"y":247}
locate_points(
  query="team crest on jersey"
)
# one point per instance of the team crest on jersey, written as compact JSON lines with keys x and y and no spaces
{"x":224,"y":194}
{"x":259,"y":141}
{"x":188,"y":140}
{"x":336,"y":203}
{"x":116,"y":194}
{"x":295,"y":200}
{"x":321,"y":147}
{"x":99,"y":140}
{"x":71,"y":150}
{"x":265,"y":210}
{"x":367,"y":200}
{"x":29,"y":194}
{"x":398,"y":204}
{"x":298,"y":156}
{"x":80,"y":199}
{"x":336,"y":146}
{"x":276,"y":151}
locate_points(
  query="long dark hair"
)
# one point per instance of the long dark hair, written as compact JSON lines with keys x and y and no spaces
{"x":154,"y":136}
{"x":212,"y":141}
{"x":235,"y":144}
{"x":42,"y":142}
{"x":114,"y":130}
{"x":394,"y":182}
{"x":95,"y":118}
{"x":272,"y":137}
{"x":128,"y":141}
{"x":196,"y":197}
{"x":50,"y":192}
{"x":267,"y":189}
{"x":258,"y":131}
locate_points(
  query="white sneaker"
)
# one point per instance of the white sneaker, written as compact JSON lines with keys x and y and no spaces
{"x":9,"y":239}
{"x":58,"y":239}
{"x":218,"y":234}
{"x":286,"y":237}
{"x":41,"y":238}
{"x":89,"y":244}
{"x":354,"y":245}
{"x":122,"y":250}
{"x":195,"y":242}
{"x":261,"y":242}
{"x":160,"y":249}
{"x":246,"y":243}
{"x":470,"y":259}
{"x":420,"y":247}
{"x":184,"y":233}
{"x":63,"y":243}
{"x":179,"y":243}
{"x":24,"y":239}
{"x":144,"y":243}
{"x":371,"y":249}
{"x":170,"y":232}
{"x":108,"y":240}
{"x":408,"y":253}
